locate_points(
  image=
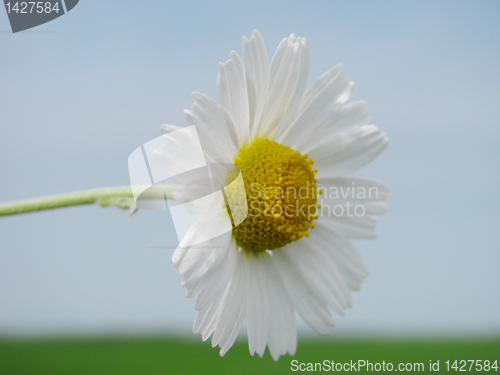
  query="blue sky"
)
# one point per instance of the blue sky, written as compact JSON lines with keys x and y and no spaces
{"x":79,"y":97}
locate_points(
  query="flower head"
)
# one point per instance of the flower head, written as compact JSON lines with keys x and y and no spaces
{"x":286,"y":244}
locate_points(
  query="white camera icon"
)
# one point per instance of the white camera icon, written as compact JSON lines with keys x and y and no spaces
{"x":206,"y":191}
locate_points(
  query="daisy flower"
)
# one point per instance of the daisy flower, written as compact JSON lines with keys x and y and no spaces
{"x":293,"y":147}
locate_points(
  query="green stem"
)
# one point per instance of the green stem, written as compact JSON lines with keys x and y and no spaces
{"x":116,"y":196}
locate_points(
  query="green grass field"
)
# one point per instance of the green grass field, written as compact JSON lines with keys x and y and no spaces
{"x":170,"y":355}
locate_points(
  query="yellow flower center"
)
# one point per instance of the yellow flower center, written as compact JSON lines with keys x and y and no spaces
{"x":281,"y":195}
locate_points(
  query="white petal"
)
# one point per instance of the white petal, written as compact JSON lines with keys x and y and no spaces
{"x":294,"y":105}
{"x":212,"y":285}
{"x":230,"y":315}
{"x":210,"y":289}
{"x":349,"y":116}
{"x":283,"y":333}
{"x":341,"y":251}
{"x":320,"y":84}
{"x":318,"y":111}
{"x":166,"y":128}
{"x":346,"y":152}
{"x":228,"y":341}
{"x":196,"y":261}
{"x":314,"y":311}
{"x":284,"y":76}
{"x":232,"y":94}
{"x":320,"y":274}
{"x":203,"y":230}
{"x":355,"y":227}
{"x":181,"y":152}
{"x":257,"y":74}
{"x":205,"y":320}
{"x":215,"y":128}
{"x":258,"y":305}
{"x":350,"y":204}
